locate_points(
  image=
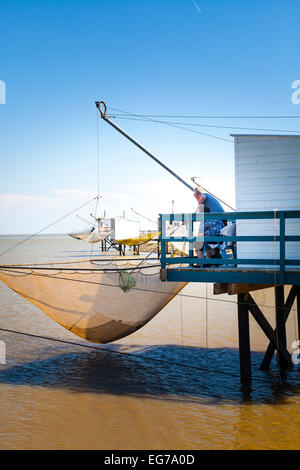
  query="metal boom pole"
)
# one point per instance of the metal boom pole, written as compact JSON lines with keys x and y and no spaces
{"x":103,"y":115}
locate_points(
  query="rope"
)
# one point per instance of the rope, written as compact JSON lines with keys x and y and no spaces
{"x":180,"y":127}
{"x":85,"y":220}
{"x":181,"y":318}
{"x":275,"y":281}
{"x":141,"y":215}
{"x":181,"y":322}
{"x":96,"y":208}
{"x":276,"y":329}
{"x":138,"y":267}
{"x":98,"y":156}
{"x":93,"y":261}
{"x":49,"y":225}
{"x":207,"y":191}
{"x":6,"y":268}
{"x":193,"y":124}
{"x":208,"y":117}
{"x":150,"y":253}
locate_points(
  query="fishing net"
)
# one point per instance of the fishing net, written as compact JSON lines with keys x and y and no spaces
{"x":93,"y":300}
{"x":91,"y":235}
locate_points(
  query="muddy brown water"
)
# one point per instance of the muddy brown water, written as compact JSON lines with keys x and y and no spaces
{"x":174,"y":384}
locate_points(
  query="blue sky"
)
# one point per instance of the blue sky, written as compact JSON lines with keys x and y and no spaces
{"x":203,"y":57}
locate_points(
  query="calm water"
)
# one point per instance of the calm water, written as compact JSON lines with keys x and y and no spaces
{"x":172,"y":385}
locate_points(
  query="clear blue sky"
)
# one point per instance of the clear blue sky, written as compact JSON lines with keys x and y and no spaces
{"x":207,"y":57}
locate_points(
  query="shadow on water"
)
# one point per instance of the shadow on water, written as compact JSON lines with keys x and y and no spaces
{"x":167,"y":372}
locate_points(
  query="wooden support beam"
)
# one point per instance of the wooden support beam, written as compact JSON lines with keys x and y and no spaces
{"x":265,"y":365}
{"x":237,"y":288}
{"x":280,"y":330}
{"x":220,"y":288}
{"x":244,"y":338}
{"x":298,"y":309}
{"x":268,"y":330}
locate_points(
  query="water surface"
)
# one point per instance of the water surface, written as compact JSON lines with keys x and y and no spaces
{"x":174,"y":384}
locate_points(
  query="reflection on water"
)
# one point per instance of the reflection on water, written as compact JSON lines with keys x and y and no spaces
{"x":156,"y":389}
{"x":159,"y":373}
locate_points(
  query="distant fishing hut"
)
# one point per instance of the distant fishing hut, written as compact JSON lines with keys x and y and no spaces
{"x":267,"y":241}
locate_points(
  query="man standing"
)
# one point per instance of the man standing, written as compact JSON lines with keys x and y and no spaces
{"x":209,"y":204}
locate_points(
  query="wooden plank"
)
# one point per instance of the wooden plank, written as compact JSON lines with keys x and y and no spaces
{"x":231,"y":276}
{"x":237,"y":288}
{"x":244,"y":338}
{"x":268,"y":330}
{"x":253,"y":269}
{"x":220,"y":288}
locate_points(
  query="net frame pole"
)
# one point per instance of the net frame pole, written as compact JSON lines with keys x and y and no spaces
{"x":121,"y":131}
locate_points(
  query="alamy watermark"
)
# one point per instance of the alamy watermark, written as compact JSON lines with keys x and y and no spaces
{"x":2,"y":92}
{"x":296,"y":94}
{"x":2,"y":352}
{"x":296,"y":352}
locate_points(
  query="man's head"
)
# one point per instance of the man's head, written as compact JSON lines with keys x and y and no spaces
{"x":199,"y":196}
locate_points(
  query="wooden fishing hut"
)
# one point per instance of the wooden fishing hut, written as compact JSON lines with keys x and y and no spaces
{"x":266,"y":258}
{"x":266,"y":250}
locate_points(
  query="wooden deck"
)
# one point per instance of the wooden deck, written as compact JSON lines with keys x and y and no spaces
{"x":247,"y":275}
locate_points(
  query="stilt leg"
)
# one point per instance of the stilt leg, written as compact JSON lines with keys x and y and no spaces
{"x":265,"y":365}
{"x":244,"y":338}
{"x":298,"y":310}
{"x":280,"y":324}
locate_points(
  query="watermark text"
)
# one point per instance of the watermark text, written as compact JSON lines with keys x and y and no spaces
{"x":2,"y":92}
{"x":296,"y":94}
{"x":2,"y":352}
{"x":296,"y":352}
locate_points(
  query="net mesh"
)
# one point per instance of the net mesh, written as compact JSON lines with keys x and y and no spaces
{"x":95,"y":305}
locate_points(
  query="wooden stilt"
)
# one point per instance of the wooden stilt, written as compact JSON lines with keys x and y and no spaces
{"x":268,"y":330}
{"x":280,"y":325}
{"x":244,"y":338}
{"x":298,"y":309}
{"x":265,"y":365}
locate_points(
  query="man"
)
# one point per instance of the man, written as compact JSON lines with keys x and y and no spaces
{"x":208,"y":201}
{"x":211,"y":204}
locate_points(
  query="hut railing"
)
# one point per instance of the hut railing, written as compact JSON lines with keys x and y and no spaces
{"x":190,"y":219}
